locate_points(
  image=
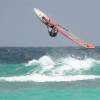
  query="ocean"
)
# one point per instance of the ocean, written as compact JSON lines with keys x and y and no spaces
{"x":49,"y":73}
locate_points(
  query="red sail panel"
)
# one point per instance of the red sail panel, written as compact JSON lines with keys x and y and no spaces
{"x":74,"y":38}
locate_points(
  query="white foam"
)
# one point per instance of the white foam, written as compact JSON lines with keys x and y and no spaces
{"x":31,"y":62}
{"x":46,"y":62}
{"x":62,"y":65}
{"x":75,"y":64}
{"x":57,"y":70}
{"x":44,"y":78}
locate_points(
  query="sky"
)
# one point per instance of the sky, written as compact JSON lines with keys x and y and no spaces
{"x":20,"y":27}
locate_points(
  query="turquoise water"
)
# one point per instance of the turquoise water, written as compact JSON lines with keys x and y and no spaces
{"x":49,"y":74}
{"x":52,"y":94}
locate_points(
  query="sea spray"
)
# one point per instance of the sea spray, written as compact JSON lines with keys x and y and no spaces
{"x":63,"y":65}
{"x":62,"y":69}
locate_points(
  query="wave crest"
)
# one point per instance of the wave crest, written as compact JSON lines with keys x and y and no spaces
{"x":56,"y":70}
{"x":62,"y":66}
{"x":44,"y":78}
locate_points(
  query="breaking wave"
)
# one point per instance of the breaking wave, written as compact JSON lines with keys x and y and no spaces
{"x":47,"y":69}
